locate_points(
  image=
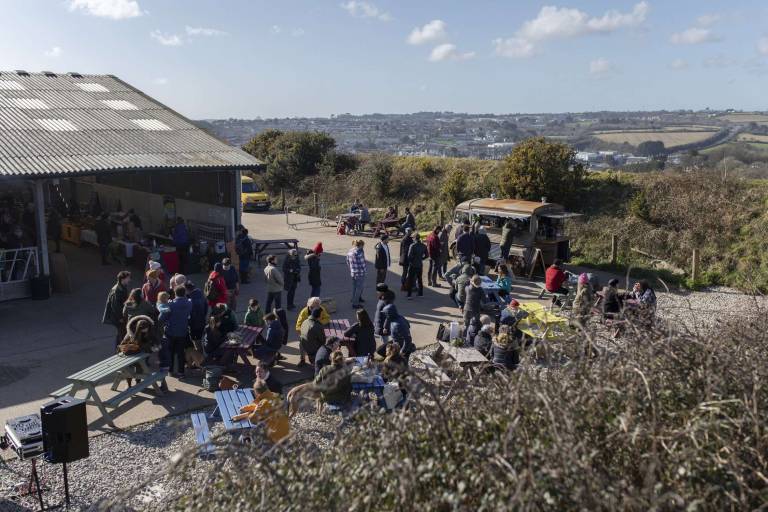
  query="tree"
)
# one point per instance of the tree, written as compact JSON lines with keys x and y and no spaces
{"x":651,"y":148}
{"x":454,"y":189}
{"x":378,"y":169}
{"x":537,"y":168}
{"x":290,"y":156}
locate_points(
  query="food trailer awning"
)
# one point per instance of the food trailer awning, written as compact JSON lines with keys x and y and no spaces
{"x":502,"y":214}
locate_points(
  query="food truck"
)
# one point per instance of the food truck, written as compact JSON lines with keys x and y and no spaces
{"x":536,"y":225}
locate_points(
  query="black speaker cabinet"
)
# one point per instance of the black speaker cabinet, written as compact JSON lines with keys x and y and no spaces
{"x":65,"y":430}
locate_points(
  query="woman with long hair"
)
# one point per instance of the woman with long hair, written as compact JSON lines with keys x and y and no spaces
{"x":362,"y":332}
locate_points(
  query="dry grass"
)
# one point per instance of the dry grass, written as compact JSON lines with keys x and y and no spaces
{"x":751,"y":137}
{"x":670,"y":139}
{"x":746,"y":118}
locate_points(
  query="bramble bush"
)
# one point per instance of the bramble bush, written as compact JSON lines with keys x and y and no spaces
{"x":664,"y":420}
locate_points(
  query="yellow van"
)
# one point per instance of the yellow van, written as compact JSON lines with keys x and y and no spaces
{"x":252,"y":196}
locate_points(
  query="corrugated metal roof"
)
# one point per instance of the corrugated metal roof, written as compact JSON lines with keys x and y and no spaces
{"x":66,"y":125}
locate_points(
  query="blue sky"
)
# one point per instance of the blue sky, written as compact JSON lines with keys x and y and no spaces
{"x":249,"y":58}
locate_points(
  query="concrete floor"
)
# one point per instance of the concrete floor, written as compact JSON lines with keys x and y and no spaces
{"x":42,"y":342}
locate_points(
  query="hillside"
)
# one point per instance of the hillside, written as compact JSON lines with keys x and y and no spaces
{"x":662,"y":214}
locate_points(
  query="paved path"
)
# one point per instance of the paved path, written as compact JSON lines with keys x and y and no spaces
{"x":44,"y":341}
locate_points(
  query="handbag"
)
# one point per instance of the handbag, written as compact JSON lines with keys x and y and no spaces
{"x":211,"y":378}
{"x":227,"y":383}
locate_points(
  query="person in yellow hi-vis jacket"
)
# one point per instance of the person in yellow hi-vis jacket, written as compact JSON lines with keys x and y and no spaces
{"x":267,"y":406}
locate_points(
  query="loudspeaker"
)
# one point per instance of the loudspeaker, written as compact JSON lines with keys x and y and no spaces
{"x":65,"y":430}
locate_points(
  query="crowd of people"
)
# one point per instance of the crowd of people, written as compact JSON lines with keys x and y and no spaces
{"x":171,"y":315}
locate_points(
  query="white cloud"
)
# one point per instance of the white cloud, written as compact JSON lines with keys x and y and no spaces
{"x":694,"y":35}
{"x":449,"y":51}
{"x":54,"y":52}
{"x":432,"y":31}
{"x":561,"y":22}
{"x":203,"y":31}
{"x":361,"y":9}
{"x":276,"y":29}
{"x":514,"y":47}
{"x":679,"y":64}
{"x":113,"y":9}
{"x":297,"y":32}
{"x":166,"y":39}
{"x":707,"y":20}
{"x":554,"y":22}
{"x":160,"y":81}
{"x":762,"y":46}
{"x":601,"y":67}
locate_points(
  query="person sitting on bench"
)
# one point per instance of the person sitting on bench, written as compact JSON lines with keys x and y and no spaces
{"x":555,"y":277}
{"x":267,"y":351}
{"x":612,"y":300}
{"x":267,"y":406}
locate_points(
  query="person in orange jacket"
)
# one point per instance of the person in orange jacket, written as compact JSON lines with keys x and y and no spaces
{"x":266,"y":406}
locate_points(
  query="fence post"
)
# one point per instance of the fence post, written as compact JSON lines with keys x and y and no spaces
{"x":614,"y":249}
{"x":282,"y":198}
{"x":695,"y":266}
{"x":314,"y":203}
{"x":442,"y":222}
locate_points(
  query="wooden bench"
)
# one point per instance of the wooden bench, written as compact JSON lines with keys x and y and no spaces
{"x":277,"y":246}
{"x":202,"y":433}
{"x":468,"y":359}
{"x":118,"y":368}
{"x":432,"y":367}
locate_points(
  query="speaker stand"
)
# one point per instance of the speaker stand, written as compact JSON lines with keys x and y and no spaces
{"x":34,"y":479}
{"x":66,"y":486}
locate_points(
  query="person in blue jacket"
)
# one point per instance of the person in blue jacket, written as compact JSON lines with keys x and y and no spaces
{"x":181,"y":240}
{"x":176,"y":320}
{"x":267,"y":351}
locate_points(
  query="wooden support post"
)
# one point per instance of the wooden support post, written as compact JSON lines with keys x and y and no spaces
{"x":282,"y":199}
{"x":695,"y":264}
{"x":614,"y":249}
{"x":314,"y":203}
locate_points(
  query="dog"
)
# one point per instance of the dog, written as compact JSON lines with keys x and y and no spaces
{"x":307,"y":391}
{"x":193,"y":357}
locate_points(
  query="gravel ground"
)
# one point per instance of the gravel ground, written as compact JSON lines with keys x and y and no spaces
{"x":122,"y":460}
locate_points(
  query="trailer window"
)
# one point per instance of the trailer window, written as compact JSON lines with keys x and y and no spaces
{"x":460,"y":217}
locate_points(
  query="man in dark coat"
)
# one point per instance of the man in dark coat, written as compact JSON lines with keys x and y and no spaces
{"x":405,"y":245}
{"x":465,"y":245}
{"x":244,"y":248}
{"x":417,"y":253}
{"x":482,"y":249}
{"x":507,"y":236}
{"x":199,"y":314}
{"x":291,"y":275}
{"x":103,"y":236}
{"x":312,"y":334}
{"x":113,"y":309}
{"x":386,"y":297}
{"x":383,"y":259}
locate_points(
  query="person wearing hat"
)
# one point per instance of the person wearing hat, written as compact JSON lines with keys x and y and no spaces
{"x":474,"y":300}
{"x":291,"y":276}
{"x":156,"y":265}
{"x":511,"y":316}
{"x":383,"y":259}
{"x":386,"y":297}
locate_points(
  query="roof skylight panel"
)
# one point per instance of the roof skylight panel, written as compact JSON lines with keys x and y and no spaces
{"x":11,"y":85}
{"x":29,"y":103}
{"x":57,"y":125}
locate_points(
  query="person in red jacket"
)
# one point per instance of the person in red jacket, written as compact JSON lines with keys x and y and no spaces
{"x":555,"y":277}
{"x":152,"y":287}
{"x":434,"y":250}
{"x":218,"y":284}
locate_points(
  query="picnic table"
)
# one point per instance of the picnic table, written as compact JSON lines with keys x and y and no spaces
{"x":278,"y":245}
{"x":541,"y":323}
{"x":228,"y":404}
{"x":337,"y":328}
{"x":469,"y":359}
{"x":376,"y":385}
{"x":489,"y":285}
{"x":117,"y":368}
{"x":248,"y":337}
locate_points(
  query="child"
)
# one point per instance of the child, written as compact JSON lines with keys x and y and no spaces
{"x":503,"y":281}
{"x":267,"y":407}
{"x":163,"y":309}
{"x":254,"y":317}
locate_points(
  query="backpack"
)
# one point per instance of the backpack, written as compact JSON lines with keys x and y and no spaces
{"x":212,"y":377}
{"x":210,"y":291}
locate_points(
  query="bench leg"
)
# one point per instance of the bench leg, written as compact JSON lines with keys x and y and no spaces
{"x":97,"y":401}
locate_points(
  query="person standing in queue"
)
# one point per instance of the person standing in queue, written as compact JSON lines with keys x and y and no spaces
{"x":405,"y":244}
{"x":434,"y":251}
{"x":383,"y":259}
{"x":292,"y":276}
{"x":113,"y":309}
